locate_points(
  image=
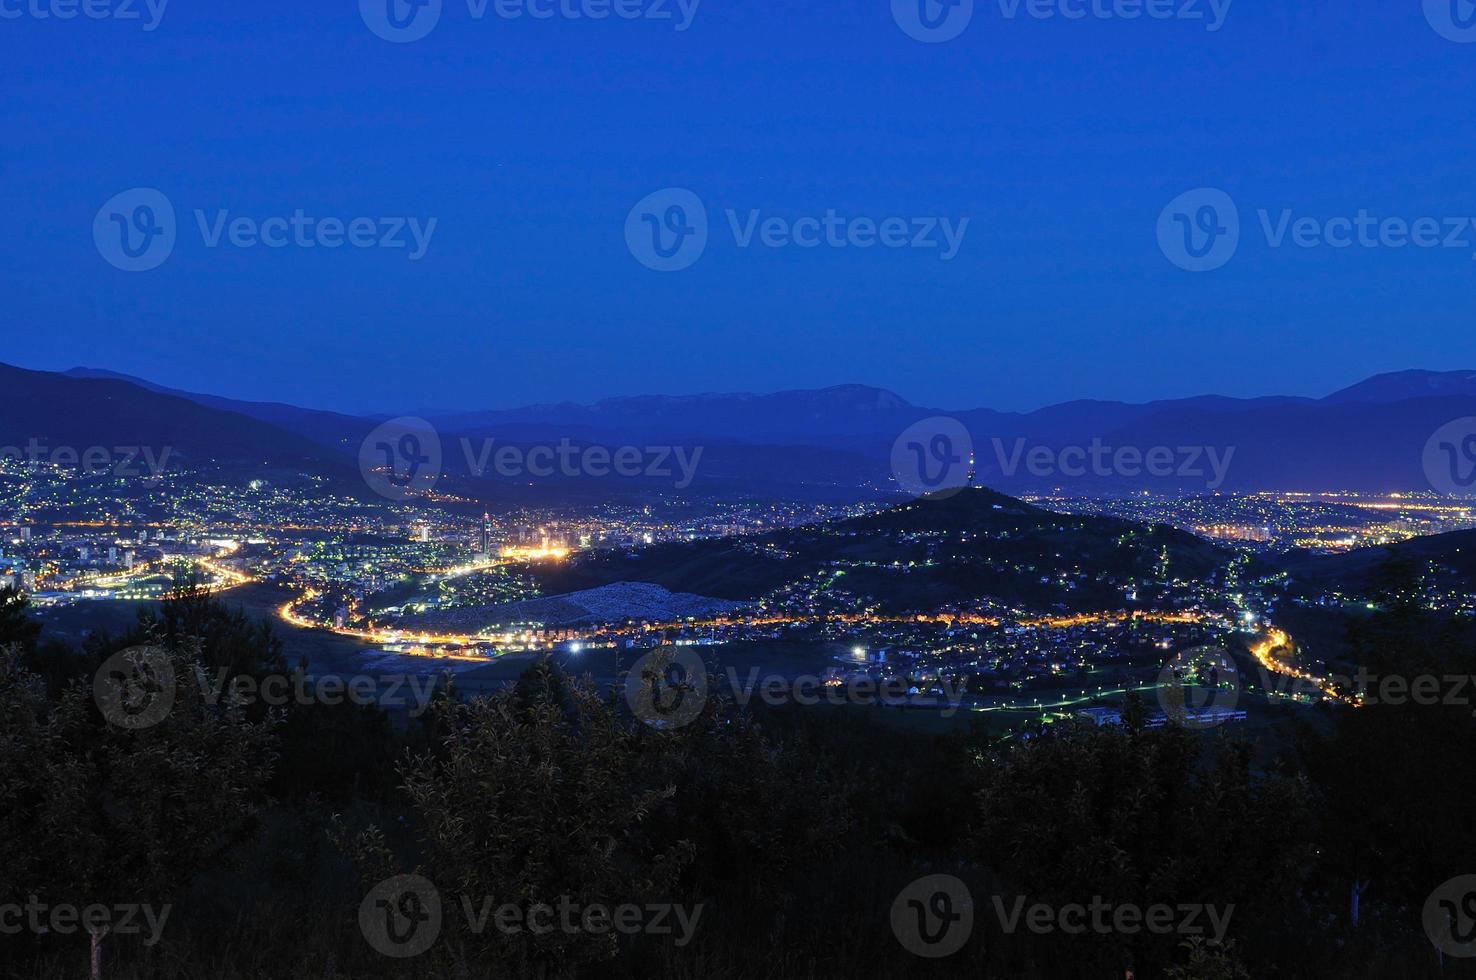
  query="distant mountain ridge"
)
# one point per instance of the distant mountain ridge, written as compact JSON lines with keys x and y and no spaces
{"x":331,"y":429}
{"x":1367,"y":436}
{"x":57,"y":410}
{"x":1402,"y":385}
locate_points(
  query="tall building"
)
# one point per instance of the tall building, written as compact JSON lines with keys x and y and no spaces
{"x":486,"y":537}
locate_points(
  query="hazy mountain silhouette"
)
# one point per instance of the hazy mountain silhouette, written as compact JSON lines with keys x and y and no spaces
{"x":1369,"y":436}
{"x":340,"y":432}
{"x":80,"y":413}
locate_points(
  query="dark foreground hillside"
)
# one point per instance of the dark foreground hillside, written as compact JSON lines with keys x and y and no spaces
{"x":266,"y":831}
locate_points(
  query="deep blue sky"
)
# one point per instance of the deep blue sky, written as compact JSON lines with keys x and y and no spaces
{"x":530,"y":141}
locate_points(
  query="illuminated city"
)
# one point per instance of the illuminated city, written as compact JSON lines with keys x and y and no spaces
{"x":670,"y":490}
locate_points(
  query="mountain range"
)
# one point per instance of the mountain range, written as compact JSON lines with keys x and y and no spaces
{"x":833,"y":442}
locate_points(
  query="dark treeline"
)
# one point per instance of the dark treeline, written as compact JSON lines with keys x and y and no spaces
{"x":263,"y":828}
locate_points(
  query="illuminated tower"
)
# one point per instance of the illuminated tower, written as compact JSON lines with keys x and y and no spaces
{"x":973,"y":470}
{"x":486,"y":542}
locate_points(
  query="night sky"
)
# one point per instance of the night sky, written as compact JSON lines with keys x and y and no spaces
{"x":529,"y":141}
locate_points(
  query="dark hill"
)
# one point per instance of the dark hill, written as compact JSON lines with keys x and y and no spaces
{"x":80,"y":413}
{"x":342,"y":433}
{"x":1453,"y":554}
{"x":927,"y":554}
